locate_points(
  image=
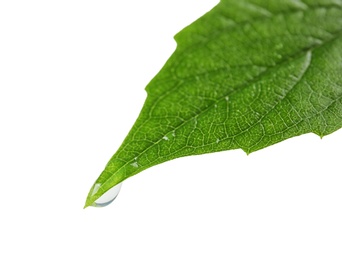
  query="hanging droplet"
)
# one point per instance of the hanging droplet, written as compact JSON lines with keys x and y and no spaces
{"x":108,"y":197}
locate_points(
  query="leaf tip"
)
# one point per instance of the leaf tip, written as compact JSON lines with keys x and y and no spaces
{"x":91,"y":198}
{"x":247,"y":151}
{"x":87,"y":203}
{"x":320,"y":135}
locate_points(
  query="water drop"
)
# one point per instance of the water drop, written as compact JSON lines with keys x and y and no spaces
{"x":135,"y":164}
{"x":108,"y":197}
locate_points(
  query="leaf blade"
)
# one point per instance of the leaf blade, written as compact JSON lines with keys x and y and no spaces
{"x":251,"y":78}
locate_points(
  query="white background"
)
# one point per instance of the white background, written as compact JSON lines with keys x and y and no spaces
{"x":72,"y":78}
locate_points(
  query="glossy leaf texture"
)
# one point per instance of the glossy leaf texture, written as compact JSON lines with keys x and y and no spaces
{"x":248,"y":74}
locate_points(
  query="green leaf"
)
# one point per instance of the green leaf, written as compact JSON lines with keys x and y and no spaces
{"x":248,"y":74}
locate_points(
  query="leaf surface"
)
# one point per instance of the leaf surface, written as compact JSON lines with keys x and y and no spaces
{"x":248,"y":74}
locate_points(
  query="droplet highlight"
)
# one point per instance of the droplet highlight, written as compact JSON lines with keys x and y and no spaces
{"x":135,"y":164}
{"x":108,"y":197}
